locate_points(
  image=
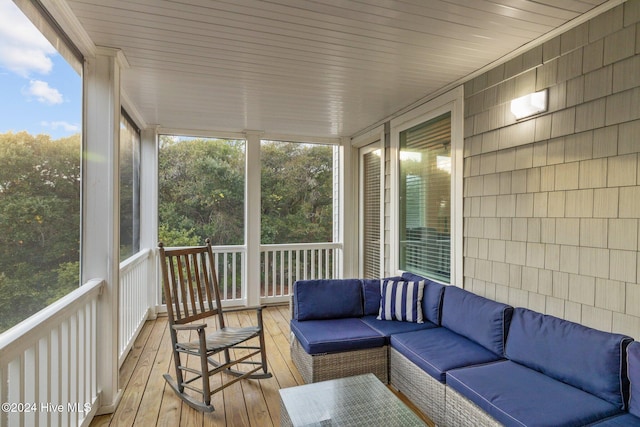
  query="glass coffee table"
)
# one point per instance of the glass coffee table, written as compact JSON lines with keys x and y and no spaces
{"x":353,"y":401}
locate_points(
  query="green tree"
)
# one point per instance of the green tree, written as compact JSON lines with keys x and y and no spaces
{"x":39,"y":221}
{"x":297,"y":197}
{"x":201,"y":190}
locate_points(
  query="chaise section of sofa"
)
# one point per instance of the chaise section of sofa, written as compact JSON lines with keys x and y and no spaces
{"x":473,"y":331}
{"x":558,"y":373}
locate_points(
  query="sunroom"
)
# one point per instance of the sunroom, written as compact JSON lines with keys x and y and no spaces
{"x":433,"y":170}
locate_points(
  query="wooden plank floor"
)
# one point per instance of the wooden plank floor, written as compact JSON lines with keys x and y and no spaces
{"x":148,"y":401}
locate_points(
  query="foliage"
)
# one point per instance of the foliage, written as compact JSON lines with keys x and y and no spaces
{"x":39,"y":222}
{"x":201,"y":193}
{"x":177,"y":237}
{"x":201,"y":186}
{"x":297,"y":198}
{"x":201,"y":190}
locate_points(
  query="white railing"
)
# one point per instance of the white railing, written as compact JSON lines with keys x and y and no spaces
{"x":229,"y":261}
{"x":48,"y":363}
{"x":134,"y":300}
{"x":282,"y":265}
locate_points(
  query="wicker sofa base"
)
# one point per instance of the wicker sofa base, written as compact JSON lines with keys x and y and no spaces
{"x":329,"y":366}
{"x":424,"y":391}
{"x":461,"y":412}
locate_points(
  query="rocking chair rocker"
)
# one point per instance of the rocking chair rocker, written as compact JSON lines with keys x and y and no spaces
{"x":191,"y":291}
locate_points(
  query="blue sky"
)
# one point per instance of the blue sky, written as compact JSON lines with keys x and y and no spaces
{"x":39,"y":91}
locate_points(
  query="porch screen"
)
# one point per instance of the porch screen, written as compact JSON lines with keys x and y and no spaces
{"x":425,"y":198}
{"x":371,"y":213}
{"x":129,"y":187}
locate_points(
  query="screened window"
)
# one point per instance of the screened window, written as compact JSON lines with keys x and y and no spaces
{"x":371,"y":232}
{"x":425,"y":198}
{"x":297,"y":192}
{"x":40,"y":149}
{"x":201,"y":185}
{"x":129,"y":187}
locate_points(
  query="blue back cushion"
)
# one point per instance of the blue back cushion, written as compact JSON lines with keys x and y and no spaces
{"x":431,"y":297}
{"x":633,"y":369}
{"x":327,"y":299}
{"x":371,"y":294}
{"x":585,"y":358}
{"x":480,"y":319}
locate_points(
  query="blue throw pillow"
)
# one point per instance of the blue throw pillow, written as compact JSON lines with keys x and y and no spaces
{"x":401,"y":300}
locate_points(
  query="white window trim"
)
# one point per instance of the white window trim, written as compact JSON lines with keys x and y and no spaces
{"x":451,"y":101}
{"x":366,"y":143}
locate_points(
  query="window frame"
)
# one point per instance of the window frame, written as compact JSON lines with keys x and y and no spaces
{"x":452,"y":102}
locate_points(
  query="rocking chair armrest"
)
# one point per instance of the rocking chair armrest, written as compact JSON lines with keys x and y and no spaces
{"x":193,"y":327}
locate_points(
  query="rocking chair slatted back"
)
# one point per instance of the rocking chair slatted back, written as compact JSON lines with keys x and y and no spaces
{"x":189,"y":276}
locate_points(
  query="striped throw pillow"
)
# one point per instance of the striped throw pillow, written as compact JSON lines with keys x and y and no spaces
{"x":401,"y":300}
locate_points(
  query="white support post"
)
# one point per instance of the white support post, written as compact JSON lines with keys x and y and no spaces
{"x":252,"y":217}
{"x":101,"y":212}
{"x":149,"y":211}
{"x":348,"y":203}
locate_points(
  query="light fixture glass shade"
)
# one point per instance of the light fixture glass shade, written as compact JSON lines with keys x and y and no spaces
{"x":530,"y":104}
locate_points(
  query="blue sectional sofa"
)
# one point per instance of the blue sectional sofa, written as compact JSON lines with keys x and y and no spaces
{"x":464,"y":359}
{"x":632,"y":417}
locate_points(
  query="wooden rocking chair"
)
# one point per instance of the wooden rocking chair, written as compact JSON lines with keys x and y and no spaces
{"x":191,"y":291}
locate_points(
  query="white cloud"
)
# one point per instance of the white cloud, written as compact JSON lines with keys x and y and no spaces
{"x":43,"y":92}
{"x":64,"y":125}
{"x":23,"y":49}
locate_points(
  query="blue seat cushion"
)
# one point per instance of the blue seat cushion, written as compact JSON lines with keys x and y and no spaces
{"x":431,"y":297}
{"x":518,"y":396}
{"x":625,"y":420}
{"x":633,"y":370}
{"x":335,"y":335}
{"x":438,"y":350}
{"x":388,"y":328}
{"x":327,"y":299}
{"x":480,"y":319}
{"x":585,"y":358}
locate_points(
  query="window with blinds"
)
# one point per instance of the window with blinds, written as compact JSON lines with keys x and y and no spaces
{"x":371,"y":214}
{"x":425,"y":199}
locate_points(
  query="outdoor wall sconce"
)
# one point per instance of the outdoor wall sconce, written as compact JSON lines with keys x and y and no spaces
{"x":529,"y":105}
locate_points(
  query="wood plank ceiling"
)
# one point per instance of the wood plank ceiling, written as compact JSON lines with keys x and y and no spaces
{"x":326,"y":68}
